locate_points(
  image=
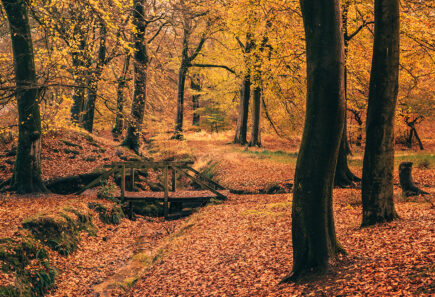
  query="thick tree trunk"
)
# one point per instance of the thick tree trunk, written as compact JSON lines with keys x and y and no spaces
{"x":195,"y":85}
{"x":256,"y":112}
{"x":140,"y":78}
{"x":27,"y":172}
{"x":377,"y":182}
{"x":406,"y":182}
{"x":242,"y":121}
{"x":313,"y":231}
{"x":122,"y":82}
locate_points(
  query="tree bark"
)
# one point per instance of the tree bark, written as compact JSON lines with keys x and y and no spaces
{"x":140,"y":64}
{"x":313,"y":231}
{"x":122,"y":82}
{"x":27,"y":171}
{"x":377,"y":182}
{"x":406,"y":183}
{"x":195,"y":85}
{"x":93,"y":79}
{"x":245,"y":94}
{"x":78,"y":96}
{"x":256,"y":113}
{"x":182,"y":72}
{"x":186,"y":62}
{"x":343,"y":176}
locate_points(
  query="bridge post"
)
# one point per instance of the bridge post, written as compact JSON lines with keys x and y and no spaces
{"x":165,"y":184}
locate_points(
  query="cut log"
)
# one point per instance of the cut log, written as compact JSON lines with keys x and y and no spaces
{"x":406,"y":182}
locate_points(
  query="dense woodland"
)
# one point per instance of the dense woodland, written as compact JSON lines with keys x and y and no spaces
{"x":310,"y":113}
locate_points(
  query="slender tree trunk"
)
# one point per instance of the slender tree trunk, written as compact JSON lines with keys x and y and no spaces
{"x":27,"y":171}
{"x":377,"y":183}
{"x":122,"y":82}
{"x":256,"y":113}
{"x":78,"y":96}
{"x":245,"y":94}
{"x":242,"y":121}
{"x":313,"y":231}
{"x":93,"y":79}
{"x":195,"y":85}
{"x":180,"y":100}
{"x":140,"y":64}
{"x":343,"y":176}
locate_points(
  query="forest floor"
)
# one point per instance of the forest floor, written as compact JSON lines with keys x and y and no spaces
{"x":241,"y":247}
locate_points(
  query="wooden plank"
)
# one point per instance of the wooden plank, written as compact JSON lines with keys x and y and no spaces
{"x":122,"y":183}
{"x":97,"y":180}
{"x":166,"y":195}
{"x":140,"y":164}
{"x":205,"y":186}
{"x":174,"y":195}
{"x":206,"y":178}
{"x":170,"y":200}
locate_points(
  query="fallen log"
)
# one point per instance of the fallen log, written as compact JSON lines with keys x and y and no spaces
{"x":71,"y":184}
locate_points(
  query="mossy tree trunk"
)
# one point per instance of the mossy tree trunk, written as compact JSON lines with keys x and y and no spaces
{"x":377,"y":182}
{"x":313,"y":231}
{"x":27,"y":171}
{"x":140,"y":64}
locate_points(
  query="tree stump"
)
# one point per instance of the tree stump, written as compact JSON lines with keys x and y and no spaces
{"x":406,"y":183}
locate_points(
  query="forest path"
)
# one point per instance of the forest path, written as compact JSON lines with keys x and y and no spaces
{"x":243,"y":248}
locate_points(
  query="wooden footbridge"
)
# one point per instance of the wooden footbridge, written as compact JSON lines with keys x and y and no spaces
{"x":173,"y":201}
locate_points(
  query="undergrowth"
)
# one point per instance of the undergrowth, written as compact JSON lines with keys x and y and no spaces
{"x":29,"y":261}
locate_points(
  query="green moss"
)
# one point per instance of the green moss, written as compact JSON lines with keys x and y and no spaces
{"x":9,"y":291}
{"x":60,"y":231}
{"x":278,"y":156}
{"x":108,"y":215}
{"x":30,"y":263}
{"x":107,"y":191}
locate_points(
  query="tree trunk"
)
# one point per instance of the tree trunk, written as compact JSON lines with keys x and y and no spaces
{"x":256,"y":109}
{"x":343,"y":176}
{"x":178,"y":134}
{"x":122,"y":82}
{"x":406,"y":182}
{"x":195,"y":85}
{"x":242,"y":121}
{"x":245,"y":94}
{"x":93,"y":79}
{"x":140,"y":64}
{"x":313,"y":231}
{"x":27,"y":171}
{"x":89,"y":108}
{"x":78,"y":64}
{"x":377,"y":182}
